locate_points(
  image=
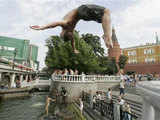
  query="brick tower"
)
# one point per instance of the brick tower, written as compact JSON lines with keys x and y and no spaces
{"x":115,"y":51}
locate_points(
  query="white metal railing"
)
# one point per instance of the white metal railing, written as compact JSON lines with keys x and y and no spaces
{"x":84,"y":78}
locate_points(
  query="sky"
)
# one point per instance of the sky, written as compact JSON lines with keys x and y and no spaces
{"x":135,"y":21}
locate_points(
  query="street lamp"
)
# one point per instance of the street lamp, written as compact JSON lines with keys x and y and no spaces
{"x":15,"y":53}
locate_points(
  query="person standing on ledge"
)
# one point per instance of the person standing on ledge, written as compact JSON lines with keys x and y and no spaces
{"x":87,"y":12}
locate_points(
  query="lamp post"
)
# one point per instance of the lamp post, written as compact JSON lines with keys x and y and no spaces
{"x":15,"y":53}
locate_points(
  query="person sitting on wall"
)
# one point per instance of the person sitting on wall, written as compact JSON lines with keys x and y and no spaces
{"x":76,"y":72}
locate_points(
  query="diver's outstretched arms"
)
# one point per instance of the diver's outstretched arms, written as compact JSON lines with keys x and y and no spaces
{"x":106,"y":25}
{"x":36,"y":27}
{"x":48,"y":26}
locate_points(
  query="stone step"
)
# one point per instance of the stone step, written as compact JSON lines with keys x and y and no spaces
{"x":128,"y":89}
{"x":136,"y":107}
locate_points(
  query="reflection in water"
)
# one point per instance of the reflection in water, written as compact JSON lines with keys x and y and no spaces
{"x":38,"y":104}
{"x":27,"y":108}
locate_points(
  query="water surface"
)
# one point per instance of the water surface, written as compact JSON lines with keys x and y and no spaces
{"x":27,"y":108}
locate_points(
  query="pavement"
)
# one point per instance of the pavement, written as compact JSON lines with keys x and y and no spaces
{"x":129,"y":96}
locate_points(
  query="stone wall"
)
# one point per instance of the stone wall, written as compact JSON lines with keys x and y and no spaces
{"x":103,"y":86}
{"x":75,"y":89}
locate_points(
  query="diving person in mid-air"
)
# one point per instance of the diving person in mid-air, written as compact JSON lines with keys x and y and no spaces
{"x":88,"y":12}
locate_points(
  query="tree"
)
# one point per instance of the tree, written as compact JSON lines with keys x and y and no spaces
{"x":61,"y":56}
{"x":91,"y":58}
{"x":122,"y":61}
{"x":94,"y":42}
{"x":44,"y":69}
{"x":111,"y":66}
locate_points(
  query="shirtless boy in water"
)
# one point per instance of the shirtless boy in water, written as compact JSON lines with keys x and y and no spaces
{"x":48,"y":99}
{"x":87,"y":13}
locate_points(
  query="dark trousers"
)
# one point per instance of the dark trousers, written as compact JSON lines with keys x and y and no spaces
{"x":121,"y":91}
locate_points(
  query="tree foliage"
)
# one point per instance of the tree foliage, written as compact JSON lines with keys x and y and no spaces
{"x":60,"y":55}
{"x":90,"y":59}
{"x":112,"y":67}
{"x":94,"y":42}
{"x":122,"y":61}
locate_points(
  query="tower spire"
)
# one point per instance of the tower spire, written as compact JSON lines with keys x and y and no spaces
{"x":114,"y":37}
{"x":157,"y":40}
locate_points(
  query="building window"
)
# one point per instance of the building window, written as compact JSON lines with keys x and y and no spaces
{"x":131,"y":53}
{"x":148,"y":51}
{"x":7,"y":48}
{"x":132,"y":61}
{"x":149,"y":60}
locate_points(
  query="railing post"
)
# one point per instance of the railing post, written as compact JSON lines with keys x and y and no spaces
{"x":83,"y":77}
{"x":12,"y":83}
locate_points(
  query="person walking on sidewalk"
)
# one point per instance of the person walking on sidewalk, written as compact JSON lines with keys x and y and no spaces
{"x":122,"y":84}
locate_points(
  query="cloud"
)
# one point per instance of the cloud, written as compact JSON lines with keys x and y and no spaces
{"x":138,"y":23}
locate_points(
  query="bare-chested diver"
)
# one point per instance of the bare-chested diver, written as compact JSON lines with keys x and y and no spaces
{"x":85,"y":12}
{"x":48,"y":99}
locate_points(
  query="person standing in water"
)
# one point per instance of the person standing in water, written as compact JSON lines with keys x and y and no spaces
{"x":48,"y":99}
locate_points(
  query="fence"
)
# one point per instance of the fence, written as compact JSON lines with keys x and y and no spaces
{"x":107,"y":109}
{"x":84,"y":78}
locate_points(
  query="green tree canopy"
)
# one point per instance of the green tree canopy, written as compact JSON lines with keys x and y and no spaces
{"x":60,"y":55}
{"x":111,"y":66}
{"x":91,"y":58}
{"x":122,"y":61}
{"x":94,"y":41}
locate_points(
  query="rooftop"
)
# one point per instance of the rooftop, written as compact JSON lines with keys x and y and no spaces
{"x":141,"y":46}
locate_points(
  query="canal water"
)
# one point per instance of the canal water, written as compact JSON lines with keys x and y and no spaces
{"x":27,"y":108}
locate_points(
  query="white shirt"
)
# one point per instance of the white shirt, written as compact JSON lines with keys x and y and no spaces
{"x":81,"y":105}
{"x":99,"y":96}
{"x":94,"y":99}
{"x":121,"y":102}
{"x":109,"y":95}
{"x":121,"y":84}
